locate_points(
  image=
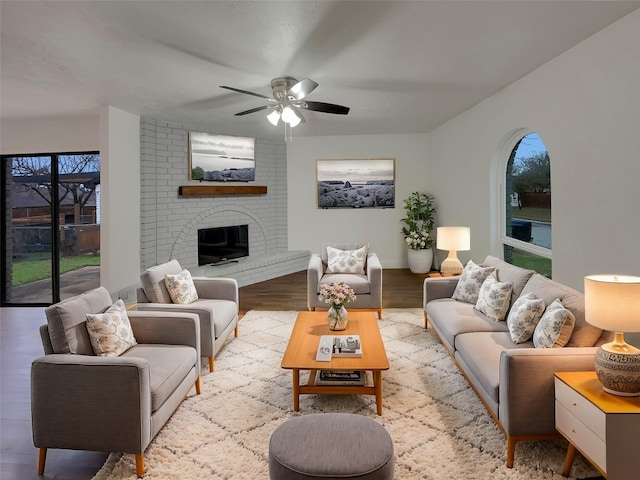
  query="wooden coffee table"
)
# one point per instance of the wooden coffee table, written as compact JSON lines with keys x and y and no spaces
{"x":303,"y":345}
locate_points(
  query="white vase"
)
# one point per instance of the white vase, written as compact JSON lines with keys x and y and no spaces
{"x":420,"y":260}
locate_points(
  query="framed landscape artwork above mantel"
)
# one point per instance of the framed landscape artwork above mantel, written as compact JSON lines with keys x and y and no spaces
{"x":356,"y":183}
{"x":221,"y":158}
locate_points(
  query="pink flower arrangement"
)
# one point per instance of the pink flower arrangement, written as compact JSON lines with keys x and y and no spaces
{"x":337,"y":294}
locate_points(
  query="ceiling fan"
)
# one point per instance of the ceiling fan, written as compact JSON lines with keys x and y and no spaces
{"x":288,"y":100}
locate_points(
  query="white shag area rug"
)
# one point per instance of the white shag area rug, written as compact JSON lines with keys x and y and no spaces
{"x":439,"y":427}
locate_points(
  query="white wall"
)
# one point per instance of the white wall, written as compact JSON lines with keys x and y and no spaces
{"x":120,"y":199}
{"x":585,"y":104}
{"x":309,"y":226}
{"x":62,"y":134}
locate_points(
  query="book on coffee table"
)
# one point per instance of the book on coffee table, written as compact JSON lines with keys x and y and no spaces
{"x":338,"y":346}
{"x":348,"y":377}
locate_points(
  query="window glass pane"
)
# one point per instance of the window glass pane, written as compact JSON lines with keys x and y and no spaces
{"x":527,"y":260}
{"x":528,"y":187}
{"x":28,"y":256}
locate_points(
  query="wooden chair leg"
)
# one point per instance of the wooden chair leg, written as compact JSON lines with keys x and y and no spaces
{"x":312,"y":309}
{"x":511,"y":451}
{"x":380,"y":314}
{"x":198,"y":385}
{"x":426,"y":321}
{"x":235,"y":331}
{"x":42,"y":457}
{"x":140,"y":465}
{"x":211,"y":364}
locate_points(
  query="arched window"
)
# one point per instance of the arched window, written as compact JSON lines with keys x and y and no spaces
{"x":526,"y":229}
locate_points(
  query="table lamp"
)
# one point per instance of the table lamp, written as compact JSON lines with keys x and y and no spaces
{"x":612,"y":302}
{"x":454,"y":239}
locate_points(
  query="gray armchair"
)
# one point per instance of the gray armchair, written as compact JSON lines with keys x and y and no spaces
{"x":367,"y":286}
{"x":217,"y":305}
{"x":81,"y":401}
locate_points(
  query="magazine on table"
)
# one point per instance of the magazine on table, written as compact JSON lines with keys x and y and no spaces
{"x":344,"y":377}
{"x":338,"y":346}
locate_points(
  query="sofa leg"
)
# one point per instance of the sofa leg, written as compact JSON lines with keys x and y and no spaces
{"x":140,"y":465}
{"x":511,"y":451}
{"x":379,"y":314}
{"x":235,"y":331}
{"x":198,"y":385}
{"x":42,"y":457}
{"x":426,"y":321}
{"x":211,"y":364}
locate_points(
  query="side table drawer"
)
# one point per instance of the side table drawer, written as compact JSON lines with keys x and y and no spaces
{"x":581,"y":436}
{"x":594,"y":418}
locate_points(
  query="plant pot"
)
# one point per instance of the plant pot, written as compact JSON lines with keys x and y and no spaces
{"x":420,"y":260}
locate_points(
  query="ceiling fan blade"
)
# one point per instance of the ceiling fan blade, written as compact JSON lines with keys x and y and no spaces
{"x":245,"y":91}
{"x":325,"y":107}
{"x":253,"y":110}
{"x":301,"y":89}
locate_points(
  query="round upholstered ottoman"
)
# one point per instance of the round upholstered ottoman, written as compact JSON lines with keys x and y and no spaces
{"x":330,"y":446}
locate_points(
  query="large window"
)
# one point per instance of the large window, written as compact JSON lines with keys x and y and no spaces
{"x":526,"y":231}
{"x":50,"y":228}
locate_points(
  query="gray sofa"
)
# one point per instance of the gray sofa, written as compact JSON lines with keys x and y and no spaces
{"x":367,"y":286}
{"x":514,"y":381}
{"x":81,"y":401}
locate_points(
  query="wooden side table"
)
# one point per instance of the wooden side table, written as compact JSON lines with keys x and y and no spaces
{"x":603,"y":427}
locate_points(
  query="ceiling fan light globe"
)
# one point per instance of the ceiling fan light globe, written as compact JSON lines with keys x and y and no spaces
{"x":289,"y":116}
{"x":274,"y":118}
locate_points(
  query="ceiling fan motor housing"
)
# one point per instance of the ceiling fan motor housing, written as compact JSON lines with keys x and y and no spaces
{"x":280,"y":86}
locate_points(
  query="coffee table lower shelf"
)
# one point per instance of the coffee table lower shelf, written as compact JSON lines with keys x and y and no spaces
{"x":310,"y":388}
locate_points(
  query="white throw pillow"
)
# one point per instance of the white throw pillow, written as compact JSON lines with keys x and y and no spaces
{"x":555,"y":326}
{"x":110,"y":332}
{"x":346,"y":261}
{"x":524,"y":316}
{"x":494,"y":298}
{"x":472,"y":278}
{"x":181,"y":287}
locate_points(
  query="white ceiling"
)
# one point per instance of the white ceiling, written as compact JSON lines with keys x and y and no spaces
{"x":402,"y":67}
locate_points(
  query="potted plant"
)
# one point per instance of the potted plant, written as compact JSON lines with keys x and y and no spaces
{"x":418,"y":223}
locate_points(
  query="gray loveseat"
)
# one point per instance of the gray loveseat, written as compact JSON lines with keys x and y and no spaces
{"x":514,"y":381}
{"x":81,"y":401}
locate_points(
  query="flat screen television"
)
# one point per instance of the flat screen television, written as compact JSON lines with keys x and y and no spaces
{"x":222,"y":244}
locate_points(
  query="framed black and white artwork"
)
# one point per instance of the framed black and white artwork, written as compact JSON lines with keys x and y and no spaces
{"x":221,"y":158}
{"x":356,"y":183}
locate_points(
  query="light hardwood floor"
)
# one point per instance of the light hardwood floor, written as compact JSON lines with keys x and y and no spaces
{"x":20,"y":344}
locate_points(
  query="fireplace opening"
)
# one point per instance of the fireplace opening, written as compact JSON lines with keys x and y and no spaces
{"x":220,"y":245}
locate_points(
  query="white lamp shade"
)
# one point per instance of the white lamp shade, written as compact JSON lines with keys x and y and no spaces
{"x":290,"y":116}
{"x":274,"y":118}
{"x":453,"y":238}
{"x":612,"y":302}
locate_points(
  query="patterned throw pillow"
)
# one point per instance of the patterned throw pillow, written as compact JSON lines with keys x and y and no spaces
{"x":524,"y":316}
{"x":468,"y":287}
{"x":110,"y":332}
{"x":346,"y":261}
{"x":555,"y":326}
{"x":181,"y":287}
{"x":494,"y":298}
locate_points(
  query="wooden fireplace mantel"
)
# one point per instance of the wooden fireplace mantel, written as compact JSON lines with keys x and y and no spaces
{"x":189,"y":190}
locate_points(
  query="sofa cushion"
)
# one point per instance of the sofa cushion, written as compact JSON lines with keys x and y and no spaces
{"x":168,"y":367}
{"x":481,"y":353}
{"x":584,"y":335}
{"x":524,"y":316}
{"x":152,"y":280}
{"x":359,"y":283}
{"x":472,"y":278}
{"x":324,"y":255}
{"x":67,"y":321}
{"x":555,"y":326}
{"x":505,"y":272}
{"x":346,"y":261}
{"x":181,"y":287}
{"x":451,"y":318}
{"x":110,"y":332}
{"x":494,"y":298}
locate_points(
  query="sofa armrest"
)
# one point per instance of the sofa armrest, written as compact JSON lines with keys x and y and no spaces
{"x":169,"y":328}
{"x":217,"y":288}
{"x":91,"y":403}
{"x":438,"y":287}
{"x":374,"y":274}
{"x":315,"y":270}
{"x":527,"y":397}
